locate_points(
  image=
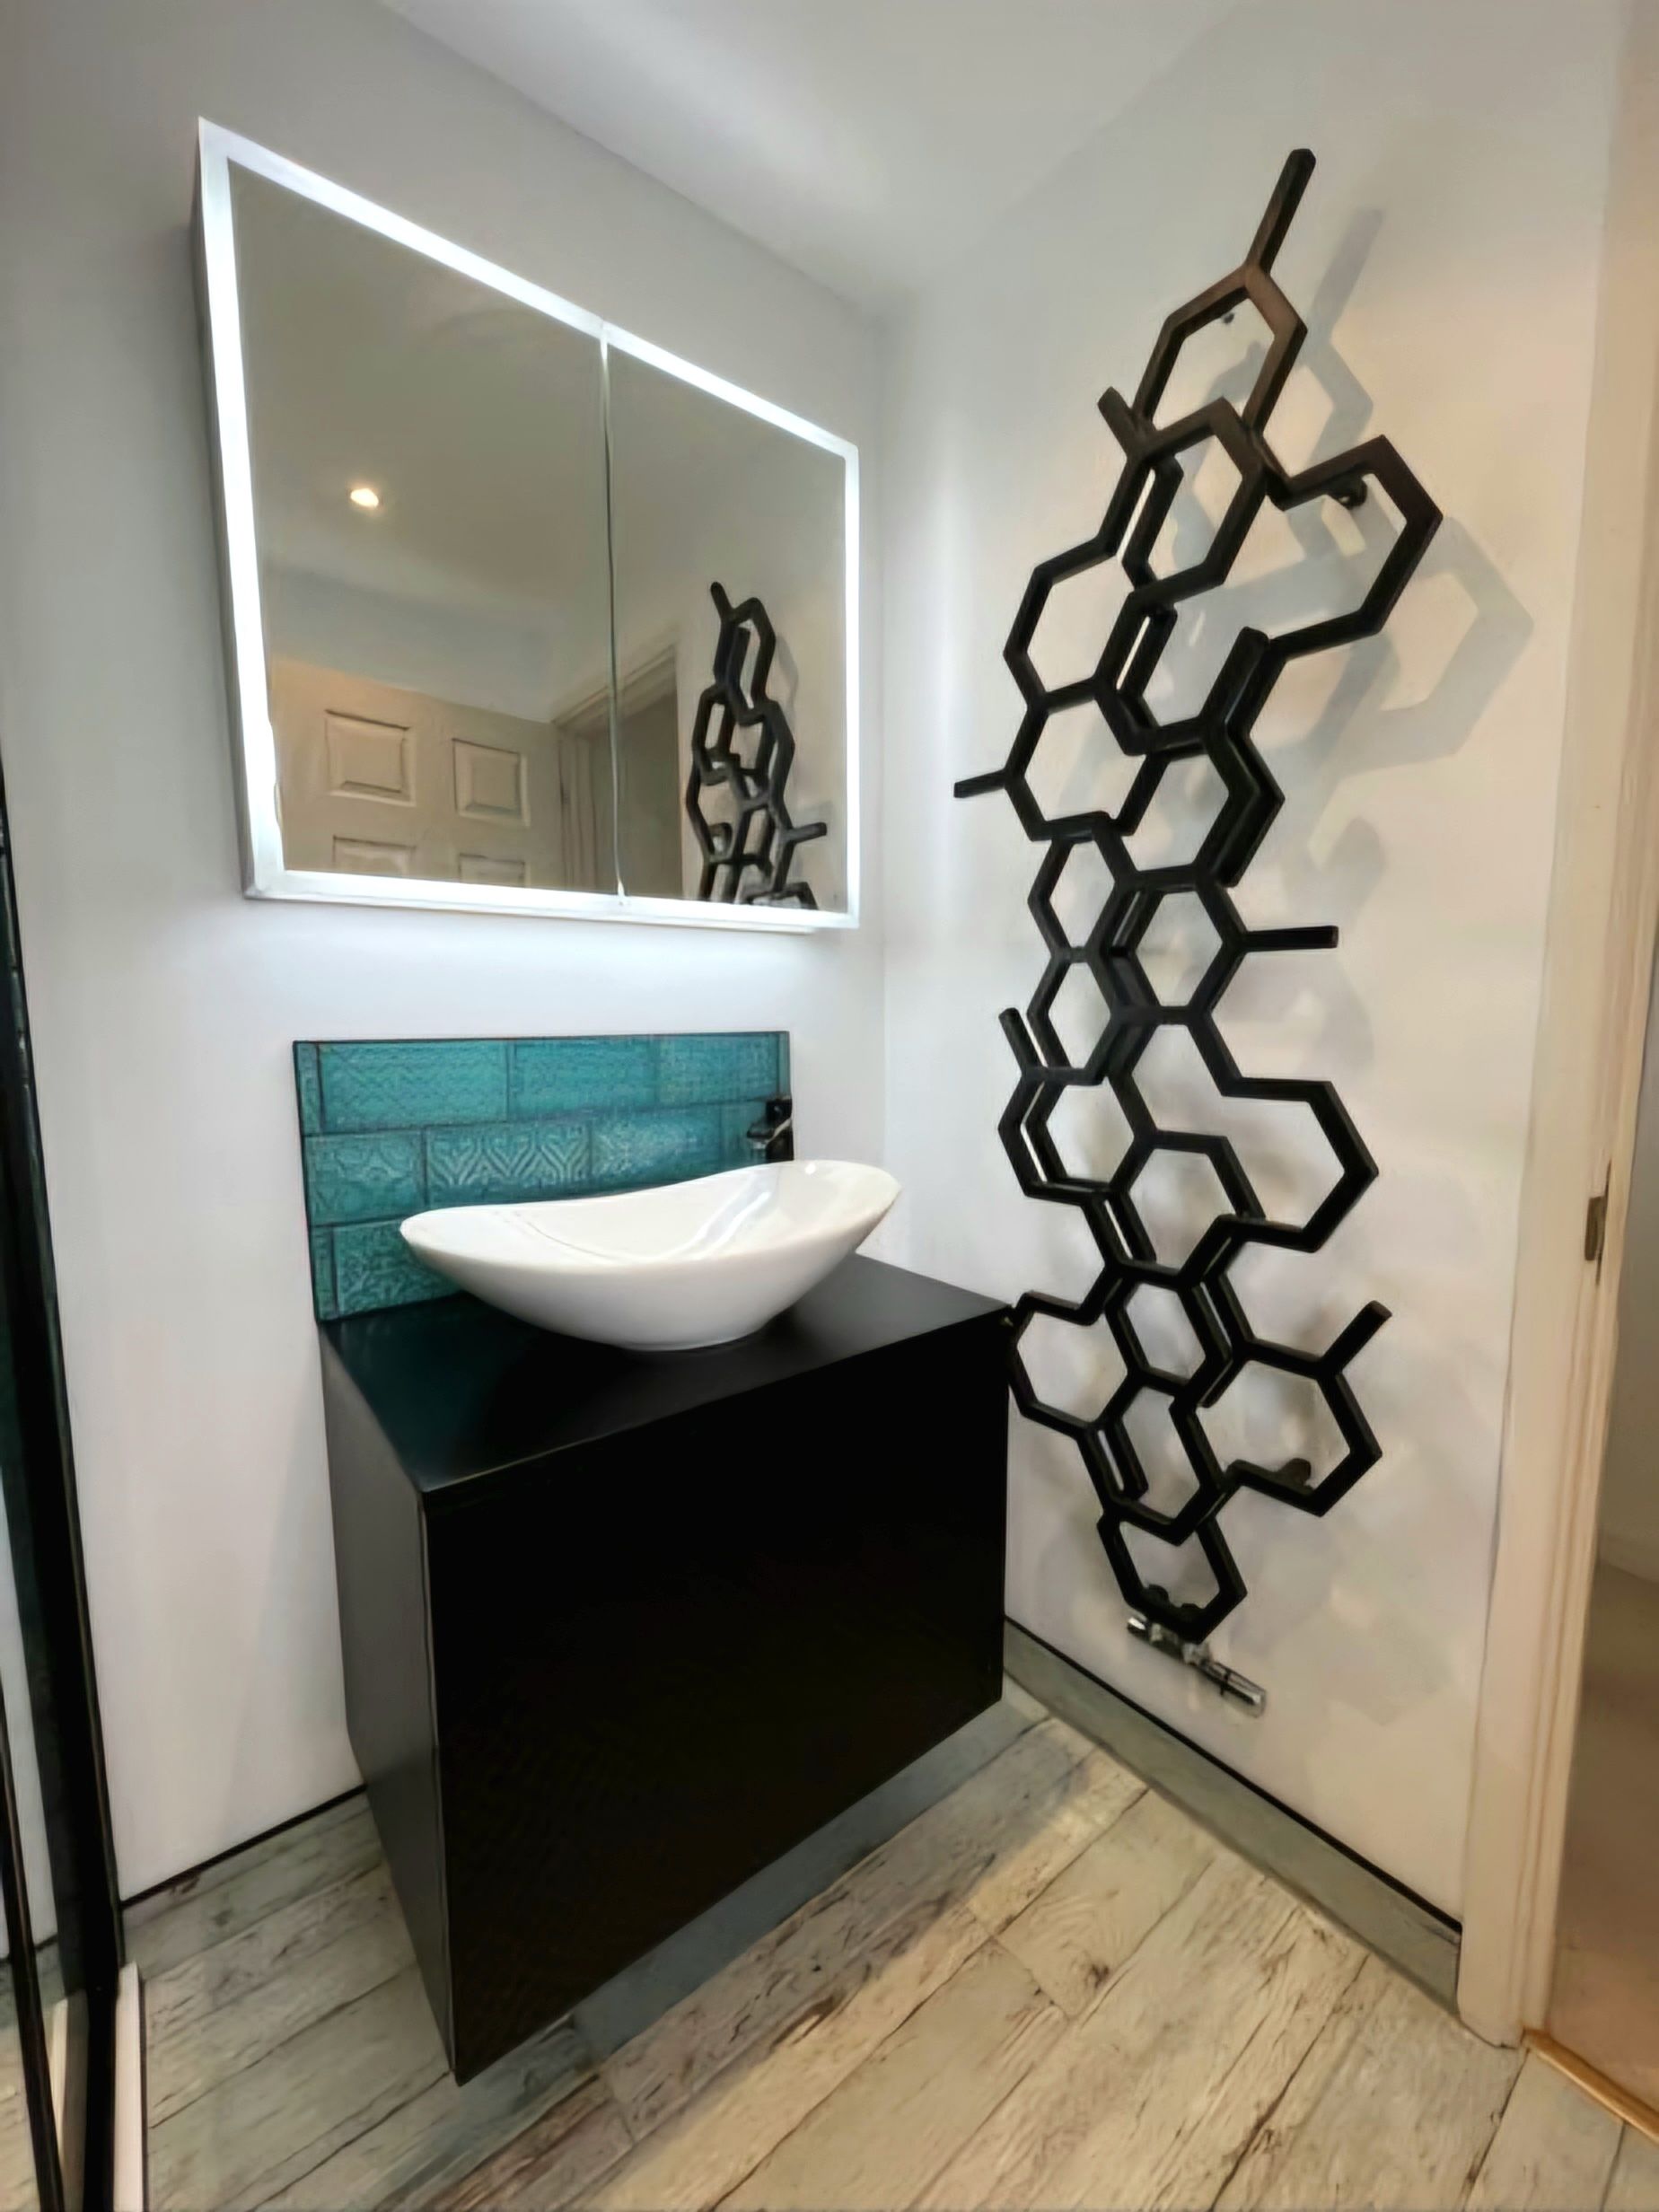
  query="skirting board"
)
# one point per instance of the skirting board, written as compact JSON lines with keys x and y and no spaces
{"x":1410,"y":1935}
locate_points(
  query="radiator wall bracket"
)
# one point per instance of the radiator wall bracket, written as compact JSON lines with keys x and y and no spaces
{"x":1238,"y":1688}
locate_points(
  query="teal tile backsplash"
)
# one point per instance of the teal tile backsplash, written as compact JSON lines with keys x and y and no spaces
{"x":365,"y":1178}
{"x":502,"y":1161}
{"x":698,"y":1071}
{"x":564,"y":1075}
{"x":656,"y":1147}
{"x":405,"y":1086}
{"x":374,"y":1267}
{"x":388,"y":1129}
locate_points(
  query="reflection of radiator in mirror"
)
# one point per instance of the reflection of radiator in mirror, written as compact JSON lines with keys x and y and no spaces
{"x":742,"y":752}
{"x":377,"y":780}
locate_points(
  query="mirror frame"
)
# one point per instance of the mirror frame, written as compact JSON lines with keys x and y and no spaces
{"x":265,"y":873}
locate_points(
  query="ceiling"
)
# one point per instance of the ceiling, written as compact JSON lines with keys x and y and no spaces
{"x":868,"y":141}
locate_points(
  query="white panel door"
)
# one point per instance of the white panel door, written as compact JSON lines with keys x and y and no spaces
{"x":379,"y":781}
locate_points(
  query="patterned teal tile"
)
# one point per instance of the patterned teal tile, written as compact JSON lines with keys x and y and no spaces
{"x":566,"y":1074}
{"x":736,"y":1120}
{"x":693,"y":1070}
{"x":505,"y":1161}
{"x":391,"y":1127}
{"x":322,"y":1275}
{"x":374,"y":1267}
{"x":364,"y":1178}
{"x":309,"y":1088}
{"x":412,"y":1085}
{"x":655,"y":1147}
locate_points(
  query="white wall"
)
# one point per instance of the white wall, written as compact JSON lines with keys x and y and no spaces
{"x":1446,"y":258}
{"x":163,"y":1003}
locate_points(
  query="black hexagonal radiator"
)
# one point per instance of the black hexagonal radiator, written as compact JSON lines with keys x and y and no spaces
{"x":1224,"y":1343}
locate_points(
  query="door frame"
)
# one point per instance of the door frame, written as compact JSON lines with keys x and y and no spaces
{"x":1598,"y":965}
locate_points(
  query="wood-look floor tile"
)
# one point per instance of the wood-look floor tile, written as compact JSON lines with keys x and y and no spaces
{"x":887,"y":2130}
{"x":1079,"y":1931}
{"x":548,"y":2164}
{"x":1095,"y":1790}
{"x":1553,"y":2151}
{"x":173,"y":1926}
{"x":1634,"y":2185}
{"x":1394,"y":2107}
{"x":426,"y":2146}
{"x":1051,"y":1989}
{"x":255,"y":2133}
{"x":1149,"y":2100}
{"x":17,"y":2167}
{"x":223,"y":2010}
{"x":1021,"y":1818}
{"x":700,"y":2154}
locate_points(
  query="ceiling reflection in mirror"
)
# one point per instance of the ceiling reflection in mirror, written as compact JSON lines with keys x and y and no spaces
{"x":429,"y":486}
{"x":546,"y":621}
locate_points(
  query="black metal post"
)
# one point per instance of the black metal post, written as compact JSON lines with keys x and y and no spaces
{"x":37,"y":1476}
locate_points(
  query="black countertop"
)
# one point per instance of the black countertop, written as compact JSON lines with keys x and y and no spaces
{"x":461,"y":1391}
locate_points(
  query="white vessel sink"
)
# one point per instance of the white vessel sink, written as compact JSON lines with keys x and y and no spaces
{"x":660,"y":1270}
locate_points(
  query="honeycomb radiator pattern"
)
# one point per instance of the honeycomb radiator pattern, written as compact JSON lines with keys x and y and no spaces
{"x":1155,"y":459}
{"x":742,"y":743}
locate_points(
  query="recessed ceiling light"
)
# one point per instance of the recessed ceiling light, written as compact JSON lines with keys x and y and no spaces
{"x":364,"y":496}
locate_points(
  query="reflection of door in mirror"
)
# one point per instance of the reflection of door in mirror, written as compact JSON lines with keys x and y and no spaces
{"x":428,"y":469}
{"x":648,"y":778}
{"x":379,"y":781}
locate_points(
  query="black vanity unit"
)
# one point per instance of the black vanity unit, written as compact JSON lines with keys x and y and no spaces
{"x":620,"y":1630}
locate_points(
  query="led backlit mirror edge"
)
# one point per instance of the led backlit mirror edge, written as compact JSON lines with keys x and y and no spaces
{"x":265,"y":873}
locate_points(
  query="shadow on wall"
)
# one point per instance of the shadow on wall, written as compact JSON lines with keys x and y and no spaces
{"x":1411,"y":695}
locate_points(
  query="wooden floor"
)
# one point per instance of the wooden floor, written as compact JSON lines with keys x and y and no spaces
{"x":1051,"y":1989}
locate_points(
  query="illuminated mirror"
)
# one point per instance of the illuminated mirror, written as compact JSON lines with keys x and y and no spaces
{"x":524,"y":614}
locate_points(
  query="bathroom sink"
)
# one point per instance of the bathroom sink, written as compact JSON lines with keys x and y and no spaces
{"x":666,"y":1269}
